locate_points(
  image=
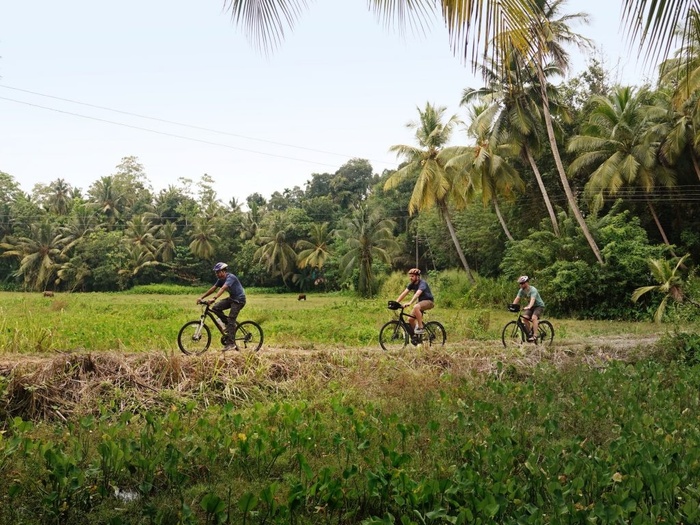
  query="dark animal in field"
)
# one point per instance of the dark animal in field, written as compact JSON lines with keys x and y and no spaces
{"x":48,"y":294}
{"x":302,"y":297}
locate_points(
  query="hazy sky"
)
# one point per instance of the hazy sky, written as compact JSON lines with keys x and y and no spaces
{"x":175,"y":83}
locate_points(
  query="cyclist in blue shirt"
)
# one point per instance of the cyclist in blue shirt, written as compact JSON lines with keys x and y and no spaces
{"x":422,"y":296}
{"x":534,"y":308}
{"x":226,"y":281}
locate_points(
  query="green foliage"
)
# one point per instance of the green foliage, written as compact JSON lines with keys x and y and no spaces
{"x":445,"y":455}
{"x":683,"y":347}
{"x":572,"y":285}
{"x":164,"y":289}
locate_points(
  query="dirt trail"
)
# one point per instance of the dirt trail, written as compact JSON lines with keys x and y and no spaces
{"x":612,"y":344}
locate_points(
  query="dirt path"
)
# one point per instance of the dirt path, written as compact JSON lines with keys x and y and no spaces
{"x":611,"y":344}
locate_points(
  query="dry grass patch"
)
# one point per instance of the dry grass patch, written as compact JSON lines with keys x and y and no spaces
{"x":67,"y":385}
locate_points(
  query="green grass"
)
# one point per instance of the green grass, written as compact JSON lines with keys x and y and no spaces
{"x":342,"y":433}
{"x":31,"y":323}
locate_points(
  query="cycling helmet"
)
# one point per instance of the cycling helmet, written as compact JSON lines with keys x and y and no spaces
{"x":523,"y":279}
{"x":220,"y":266}
{"x":414,"y":271}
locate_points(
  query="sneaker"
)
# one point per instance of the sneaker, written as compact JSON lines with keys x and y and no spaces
{"x":530,"y":338}
{"x":229,"y":348}
{"x":419,"y":331}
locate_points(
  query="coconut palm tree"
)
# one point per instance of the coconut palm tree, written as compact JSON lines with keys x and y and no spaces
{"x":515,"y":108}
{"x":141,"y":231}
{"x":315,"y":252}
{"x":619,"y":148}
{"x":83,"y":220}
{"x":167,"y":238}
{"x":369,"y":237}
{"x":670,"y":284}
{"x":485,"y":164}
{"x":204,"y":238}
{"x":39,"y":254}
{"x":108,"y":198}
{"x":276,"y":252}
{"x":551,"y":35}
{"x":435,"y":186}
{"x":138,"y":259}
{"x":59,"y":197}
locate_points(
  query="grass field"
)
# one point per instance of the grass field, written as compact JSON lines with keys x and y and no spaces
{"x":31,"y":323}
{"x":103,"y":420}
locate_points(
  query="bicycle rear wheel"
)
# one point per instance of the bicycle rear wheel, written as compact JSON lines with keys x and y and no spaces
{"x":512,"y":336}
{"x":248,"y":336}
{"x":393,"y":336}
{"x":194,"y":338}
{"x":435,"y":334}
{"x":545,"y":333}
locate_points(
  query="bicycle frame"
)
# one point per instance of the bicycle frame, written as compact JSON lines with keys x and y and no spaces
{"x":195,"y":336}
{"x":396,"y":333}
{"x":516,"y":333}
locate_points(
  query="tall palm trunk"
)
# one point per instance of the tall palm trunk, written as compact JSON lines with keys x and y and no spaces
{"x":560,"y":166}
{"x":658,"y":225}
{"x":543,"y":190}
{"x":696,"y":167}
{"x":446,"y":216}
{"x":501,"y":219}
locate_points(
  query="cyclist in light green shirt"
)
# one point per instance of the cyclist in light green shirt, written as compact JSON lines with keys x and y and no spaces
{"x":534,"y":308}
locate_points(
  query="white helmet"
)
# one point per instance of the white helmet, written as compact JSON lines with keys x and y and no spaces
{"x":523,"y":279}
{"x":220,"y":266}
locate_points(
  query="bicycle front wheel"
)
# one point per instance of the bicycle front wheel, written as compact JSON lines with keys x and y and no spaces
{"x":248,"y":336}
{"x":545,"y":333}
{"x":393,"y":336}
{"x":194,"y":338}
{"x":434,"y":334}
{"x":512,"y":336}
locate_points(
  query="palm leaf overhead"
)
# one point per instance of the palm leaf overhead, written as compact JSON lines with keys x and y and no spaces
{"x":471,"y":25}
{"x":653,"y":24}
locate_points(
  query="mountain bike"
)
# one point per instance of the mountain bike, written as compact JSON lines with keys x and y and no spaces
{"x":195,"y":337}
{"x":396,"y":334}
{"x":515,"y":332}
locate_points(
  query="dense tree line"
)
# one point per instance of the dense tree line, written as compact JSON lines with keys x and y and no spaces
{"x":582,"y":183}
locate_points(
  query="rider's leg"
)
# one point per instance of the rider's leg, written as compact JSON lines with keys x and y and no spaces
{"x":535,"y":324}
{"x":418,"y":314}
{"x":219,"y":307}
{"x":419,"y":308}
{"x":236,"y":307}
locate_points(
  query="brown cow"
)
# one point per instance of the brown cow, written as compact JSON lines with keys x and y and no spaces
{"x":48,"y":293}
{"x":302,"y":297}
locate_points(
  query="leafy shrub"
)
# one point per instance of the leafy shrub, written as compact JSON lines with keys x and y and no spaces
{"x":683,"y":347}
{"x":165,"y":289}
{"x":571,"y":283}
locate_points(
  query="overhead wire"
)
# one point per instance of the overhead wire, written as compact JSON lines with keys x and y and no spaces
{"x":165,"y":133}
{"x":175,"y":123}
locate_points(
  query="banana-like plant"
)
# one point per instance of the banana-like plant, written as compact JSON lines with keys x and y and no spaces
{"x":670,"y":284}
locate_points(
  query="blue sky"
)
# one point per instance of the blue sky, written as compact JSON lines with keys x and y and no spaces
{"x":340,"y":86}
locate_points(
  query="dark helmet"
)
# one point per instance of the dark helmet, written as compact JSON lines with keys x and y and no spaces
{"x":220,"y":266}
{"x":523,"y":279}
{"x":414,"y":271}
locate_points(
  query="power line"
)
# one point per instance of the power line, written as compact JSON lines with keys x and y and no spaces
{"x":174,"y":135}
{"x":175,"y":123}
